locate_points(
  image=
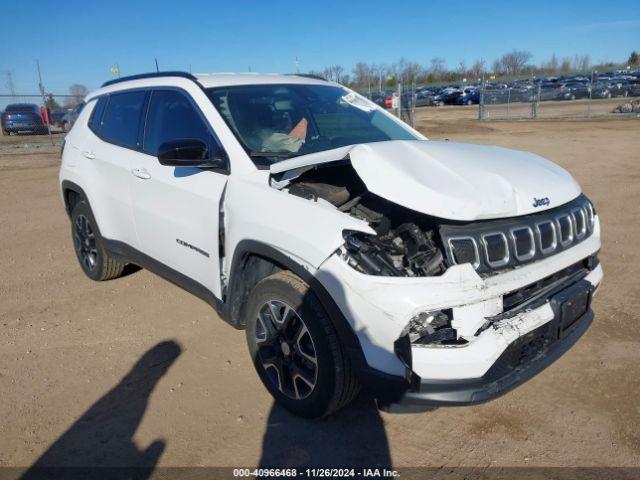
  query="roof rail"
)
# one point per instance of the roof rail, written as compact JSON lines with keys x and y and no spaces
{"x":150,"y":75}
{"x":308,"y":75}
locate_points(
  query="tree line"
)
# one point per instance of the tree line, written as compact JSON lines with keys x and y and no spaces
{"x":77,"y":92}
{"x":511,"y":64}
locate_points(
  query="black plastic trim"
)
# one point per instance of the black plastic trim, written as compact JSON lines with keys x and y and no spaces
{"x":67,"y":185}
{"x":126,"y":253}
{"x":382,"y":385}
{"x":142,"y":76}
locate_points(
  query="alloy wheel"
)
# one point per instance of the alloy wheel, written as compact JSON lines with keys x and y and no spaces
{"x":286,"y":350}
{"x":85,"y":242}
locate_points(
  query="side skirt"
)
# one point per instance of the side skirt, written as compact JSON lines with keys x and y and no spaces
{"x":128,"y":254}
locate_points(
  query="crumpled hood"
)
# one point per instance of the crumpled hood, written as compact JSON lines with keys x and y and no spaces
{"x":456,"y":181}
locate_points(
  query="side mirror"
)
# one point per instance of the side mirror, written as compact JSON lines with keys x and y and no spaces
{"x":188,"y":152}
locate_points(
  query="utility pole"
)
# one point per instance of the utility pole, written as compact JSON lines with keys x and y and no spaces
{"x":9,"y":83}
{"x":44,"y":101}
{"x":296,"y":65}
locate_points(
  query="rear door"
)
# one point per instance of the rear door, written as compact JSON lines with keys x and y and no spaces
{"x":176,"y":209}
{"x":117,"y":122}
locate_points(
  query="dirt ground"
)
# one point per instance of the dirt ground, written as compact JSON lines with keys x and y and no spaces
{"x":136,"y":371}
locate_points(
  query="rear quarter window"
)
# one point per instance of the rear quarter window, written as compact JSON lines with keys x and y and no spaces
{"x":95,"y":121}
{"x":121,"y":119}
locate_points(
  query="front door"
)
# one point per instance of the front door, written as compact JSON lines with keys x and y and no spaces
{"x":176,"y":209}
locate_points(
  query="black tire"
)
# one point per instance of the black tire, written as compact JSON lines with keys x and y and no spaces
{"x":94,"y":259}
{"x":335,"y":382}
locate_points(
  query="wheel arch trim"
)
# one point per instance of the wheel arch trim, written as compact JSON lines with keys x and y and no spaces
{"x":381,"y":384}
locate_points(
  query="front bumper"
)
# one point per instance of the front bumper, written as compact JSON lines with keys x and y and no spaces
{"x":379,"y":308}
{"x":522,"y":360}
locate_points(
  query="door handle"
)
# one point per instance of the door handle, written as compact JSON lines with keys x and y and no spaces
{"x":89,"y":155}
{"x":141,"y":173}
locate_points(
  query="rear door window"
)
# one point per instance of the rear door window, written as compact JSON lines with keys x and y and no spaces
{"x":121,"y":121}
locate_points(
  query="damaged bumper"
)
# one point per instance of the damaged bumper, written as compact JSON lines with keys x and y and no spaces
{"x":482,"y":368}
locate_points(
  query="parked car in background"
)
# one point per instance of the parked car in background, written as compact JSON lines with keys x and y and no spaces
{"x":634,"y":88}
{"x":469,"y":96}
{"x":425,"y":97}
{"x":449,"y":96}
{"x":70,"y":118}
{"x":57,"y":115}
{"x":499,"y":93}
{"x":22,"y":117}
{"x":548,"y":91}
{"x":600,"y":90}
{"x":573,"y":91}
{"x":619,"y":87}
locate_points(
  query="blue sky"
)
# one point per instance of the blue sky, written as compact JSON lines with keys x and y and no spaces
{"x":78,"y":41}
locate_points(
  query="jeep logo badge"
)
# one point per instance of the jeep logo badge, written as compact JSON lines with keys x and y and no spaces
{"x":537,"y":202}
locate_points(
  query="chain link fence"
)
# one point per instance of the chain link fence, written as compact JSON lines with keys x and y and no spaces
{"x":571,"y":96}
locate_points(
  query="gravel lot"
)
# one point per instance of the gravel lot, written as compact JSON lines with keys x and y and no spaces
{"x":77,"y":387}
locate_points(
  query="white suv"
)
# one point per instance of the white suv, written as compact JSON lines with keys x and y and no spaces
{"x":355,"y":252}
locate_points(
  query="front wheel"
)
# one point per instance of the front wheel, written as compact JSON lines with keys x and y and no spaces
{"x":295,"y":348}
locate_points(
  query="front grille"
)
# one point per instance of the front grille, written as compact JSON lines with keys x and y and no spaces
{"x":494,"y":245}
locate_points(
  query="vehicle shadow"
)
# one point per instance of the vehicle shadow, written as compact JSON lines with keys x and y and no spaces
{"x":103,"y":435}
{"x":353,"y":437}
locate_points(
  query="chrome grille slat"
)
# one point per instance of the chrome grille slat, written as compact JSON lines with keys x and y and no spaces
{"x":501,"y":261}
{"x":530,"y":253}
{"x":503,"y":243}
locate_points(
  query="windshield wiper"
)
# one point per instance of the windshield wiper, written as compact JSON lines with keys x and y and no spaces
{"x":273,"y":154}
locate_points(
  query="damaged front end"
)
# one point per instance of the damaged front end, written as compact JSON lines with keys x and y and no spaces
{"x":442,"y":303}
{"x":405,"y":243}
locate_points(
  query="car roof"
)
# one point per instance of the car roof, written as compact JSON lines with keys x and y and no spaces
{"x":206,"y":80}
{"x":22,"y":105}
{"x":209,"y":80}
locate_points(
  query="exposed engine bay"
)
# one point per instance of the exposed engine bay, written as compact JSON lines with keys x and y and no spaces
{"x":406,"y":243}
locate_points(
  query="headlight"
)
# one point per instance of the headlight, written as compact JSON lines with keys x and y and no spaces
{"x":429,"y":329}
{"x":404,"y":251}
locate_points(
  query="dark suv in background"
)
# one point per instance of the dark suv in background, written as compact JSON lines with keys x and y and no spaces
{"x":22,"y":117}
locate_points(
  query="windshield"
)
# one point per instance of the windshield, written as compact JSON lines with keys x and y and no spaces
{"x":275,"y":122}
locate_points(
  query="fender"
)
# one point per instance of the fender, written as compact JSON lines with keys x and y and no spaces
{"x":382,"y":385}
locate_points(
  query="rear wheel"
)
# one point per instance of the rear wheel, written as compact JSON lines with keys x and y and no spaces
{"x":295,"y":348}
{"x":96,"y":262}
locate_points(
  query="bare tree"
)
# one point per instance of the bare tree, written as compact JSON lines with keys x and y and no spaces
{"x":565,"y":66}
{"x":77,"y":92}
{"x":334,"y":73}
{"x":514,"y":62}
{"x":408,"y":71}
{"x":462,"y":68}
{"x":550,"y":66}
{"x":581,"y":62}
{"x":497,"y":68}
{"x":362,"y":74}
{"x":437,"y":68}
{"x":477,"y":69}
